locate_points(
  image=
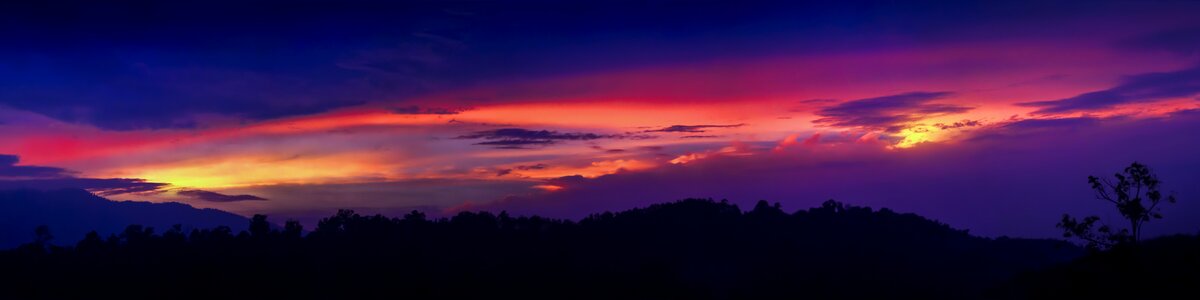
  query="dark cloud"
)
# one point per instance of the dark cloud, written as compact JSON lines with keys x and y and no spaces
{"x":1141,"y":88}
{"x":503,"y":172}
{"x":1182,"y":41}
{"x":217,"y":197}
{"x":959,"y":124}
{"x":651,"y":148}
{"x":699,"y":136}
{"x":10,"y":169}
{"x":888,"y":113}
{"x":39,"y":177}
{"x":518,"y":138}
{"x":100,"y":186}
{"x":531,"y":167}
{"x":515,"y":144}
{"x":693,"y":128}
{"x":418,"y":110}
{"x":1016,"y":129}
{"x":1186,"y":113}
{"x":525,"y":134}
{"x":1052,"y":123}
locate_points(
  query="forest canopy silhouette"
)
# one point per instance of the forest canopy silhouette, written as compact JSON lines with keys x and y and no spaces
{"x":688,"y":249}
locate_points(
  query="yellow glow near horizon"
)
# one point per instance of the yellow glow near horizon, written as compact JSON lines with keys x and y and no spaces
{"x":915,"y":135}
{"x":235,"y":172}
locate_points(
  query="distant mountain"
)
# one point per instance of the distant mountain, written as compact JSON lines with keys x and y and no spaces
{"x":72,"y":213}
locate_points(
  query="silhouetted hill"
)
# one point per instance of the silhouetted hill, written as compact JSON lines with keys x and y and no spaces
{"x":691,"y":249}
{"x":71,"y":213}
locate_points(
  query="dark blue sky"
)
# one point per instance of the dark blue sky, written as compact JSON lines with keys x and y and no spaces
{"x":150,"y":64}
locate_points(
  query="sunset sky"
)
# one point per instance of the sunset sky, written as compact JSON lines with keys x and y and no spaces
{"x":988,"y":117}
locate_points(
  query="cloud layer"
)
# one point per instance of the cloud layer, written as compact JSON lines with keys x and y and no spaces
{"x":10,"y":169}
{"x":13,"y":176}
{"x":1141,"y":88}
{"x":518,"y":138}
{"x":888,"y":113}
{"x":693,"y":128}
{"x":217,"y":197}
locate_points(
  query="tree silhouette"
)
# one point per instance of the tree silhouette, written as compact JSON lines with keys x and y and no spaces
{"x":1136,"y":196}
{"x":689,"y":249}
{"x":259,"y":227}
{"x":42,"y":236}
{"x":293,"y":230}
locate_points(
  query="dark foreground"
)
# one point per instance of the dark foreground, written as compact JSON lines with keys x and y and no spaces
{"x":691,"y":249}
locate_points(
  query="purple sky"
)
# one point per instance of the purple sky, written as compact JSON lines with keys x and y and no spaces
{"x":988,"y":116}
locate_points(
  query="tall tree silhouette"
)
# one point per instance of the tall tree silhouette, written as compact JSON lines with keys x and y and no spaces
{"x":41,"y":235}
{"x":259,"y":227}
{"x":1136,"y":196}
{"x":41,"y":240}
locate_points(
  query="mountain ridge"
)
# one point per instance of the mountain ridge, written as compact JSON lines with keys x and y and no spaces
{"x":72,"y":213}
